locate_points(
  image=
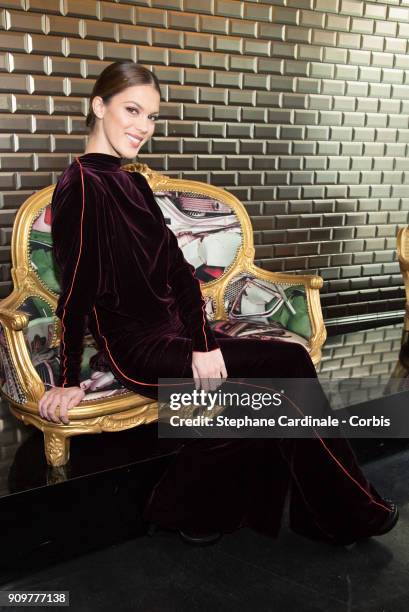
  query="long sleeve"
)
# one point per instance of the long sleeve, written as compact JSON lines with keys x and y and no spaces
{"x":189,"y":297}
{"x":76,"y":247}
{"x":185,"y":285}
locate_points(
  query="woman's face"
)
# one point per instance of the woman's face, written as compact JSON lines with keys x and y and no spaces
{"x":127,"y":120}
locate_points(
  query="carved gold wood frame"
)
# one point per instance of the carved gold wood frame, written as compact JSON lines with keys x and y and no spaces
{"x":402,"y":247}
{"x":127,"y":409}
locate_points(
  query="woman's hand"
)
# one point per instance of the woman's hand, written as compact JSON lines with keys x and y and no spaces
{"x":65,"y":398}
{"x":209,"y":368}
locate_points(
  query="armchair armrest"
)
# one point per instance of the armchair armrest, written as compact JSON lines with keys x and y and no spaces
{"x":312,"y":285}
{"x":15,"y":320}
{"x":308,"y":280}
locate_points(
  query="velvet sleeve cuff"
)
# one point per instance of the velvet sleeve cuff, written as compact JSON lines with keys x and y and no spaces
{"x":203,"y":338}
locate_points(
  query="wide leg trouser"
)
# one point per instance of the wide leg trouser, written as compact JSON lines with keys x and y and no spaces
{"x":224,"y":484}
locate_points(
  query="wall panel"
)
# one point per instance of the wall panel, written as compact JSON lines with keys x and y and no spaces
{"x":299,"y":107}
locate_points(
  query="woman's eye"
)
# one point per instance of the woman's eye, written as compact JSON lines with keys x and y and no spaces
{"x":133,"y":110}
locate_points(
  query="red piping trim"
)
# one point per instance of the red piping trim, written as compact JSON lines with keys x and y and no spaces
{"x":64,"y":360}
{"x":177,"y":384}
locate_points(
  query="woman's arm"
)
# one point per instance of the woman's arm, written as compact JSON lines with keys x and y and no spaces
{"x":185,"y":284}
{"x":76,"y":248}
{"x":189,"y":297}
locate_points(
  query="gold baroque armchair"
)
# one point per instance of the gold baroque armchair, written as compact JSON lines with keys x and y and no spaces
{"x":402,"y":241}
{"x":215,"y":233}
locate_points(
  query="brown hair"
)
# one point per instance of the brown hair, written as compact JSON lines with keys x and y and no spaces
{"x":115,"y":78}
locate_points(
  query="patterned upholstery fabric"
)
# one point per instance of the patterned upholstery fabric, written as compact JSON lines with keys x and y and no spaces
{"x":8,"y":376}
{"x":282,"y":307}
{"x":208,"y":232}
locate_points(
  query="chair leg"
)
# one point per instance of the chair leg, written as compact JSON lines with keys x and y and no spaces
{"x":57,"y":448}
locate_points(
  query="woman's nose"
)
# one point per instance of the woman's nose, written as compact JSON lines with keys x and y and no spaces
{"x":142,"y":125}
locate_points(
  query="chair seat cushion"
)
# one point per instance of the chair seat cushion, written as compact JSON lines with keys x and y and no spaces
{"x":252,"y":327}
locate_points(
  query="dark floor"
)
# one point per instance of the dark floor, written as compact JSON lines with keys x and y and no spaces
{"x":245,"y":570}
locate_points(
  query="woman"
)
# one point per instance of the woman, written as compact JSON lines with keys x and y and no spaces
{"x":123,"y":273}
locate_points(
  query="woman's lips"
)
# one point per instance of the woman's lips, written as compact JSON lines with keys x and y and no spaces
{"x":135,"y":142}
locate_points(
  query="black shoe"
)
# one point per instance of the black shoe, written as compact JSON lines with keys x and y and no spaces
{"x":388,"y":524}
{"x":190,"y":536}
{"x":199,"y":538}
{"x":152,"y":529}
{"x":390,"y":520}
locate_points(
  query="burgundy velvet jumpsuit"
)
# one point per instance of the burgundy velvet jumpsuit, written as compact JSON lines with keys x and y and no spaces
{"x":123,"y":274}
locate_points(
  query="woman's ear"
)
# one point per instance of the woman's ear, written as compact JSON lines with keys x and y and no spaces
{"x":98,"y":107}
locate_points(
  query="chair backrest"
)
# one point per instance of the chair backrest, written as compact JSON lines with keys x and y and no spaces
{"x":211,"y":225}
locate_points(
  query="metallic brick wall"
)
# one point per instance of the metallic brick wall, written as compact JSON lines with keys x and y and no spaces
{"x":299,"y":107}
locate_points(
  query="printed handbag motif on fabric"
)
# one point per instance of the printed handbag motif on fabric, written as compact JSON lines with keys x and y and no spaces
{"x":207,"y":231}
{"x":40,"y":250}
{"x":258,"y":300}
